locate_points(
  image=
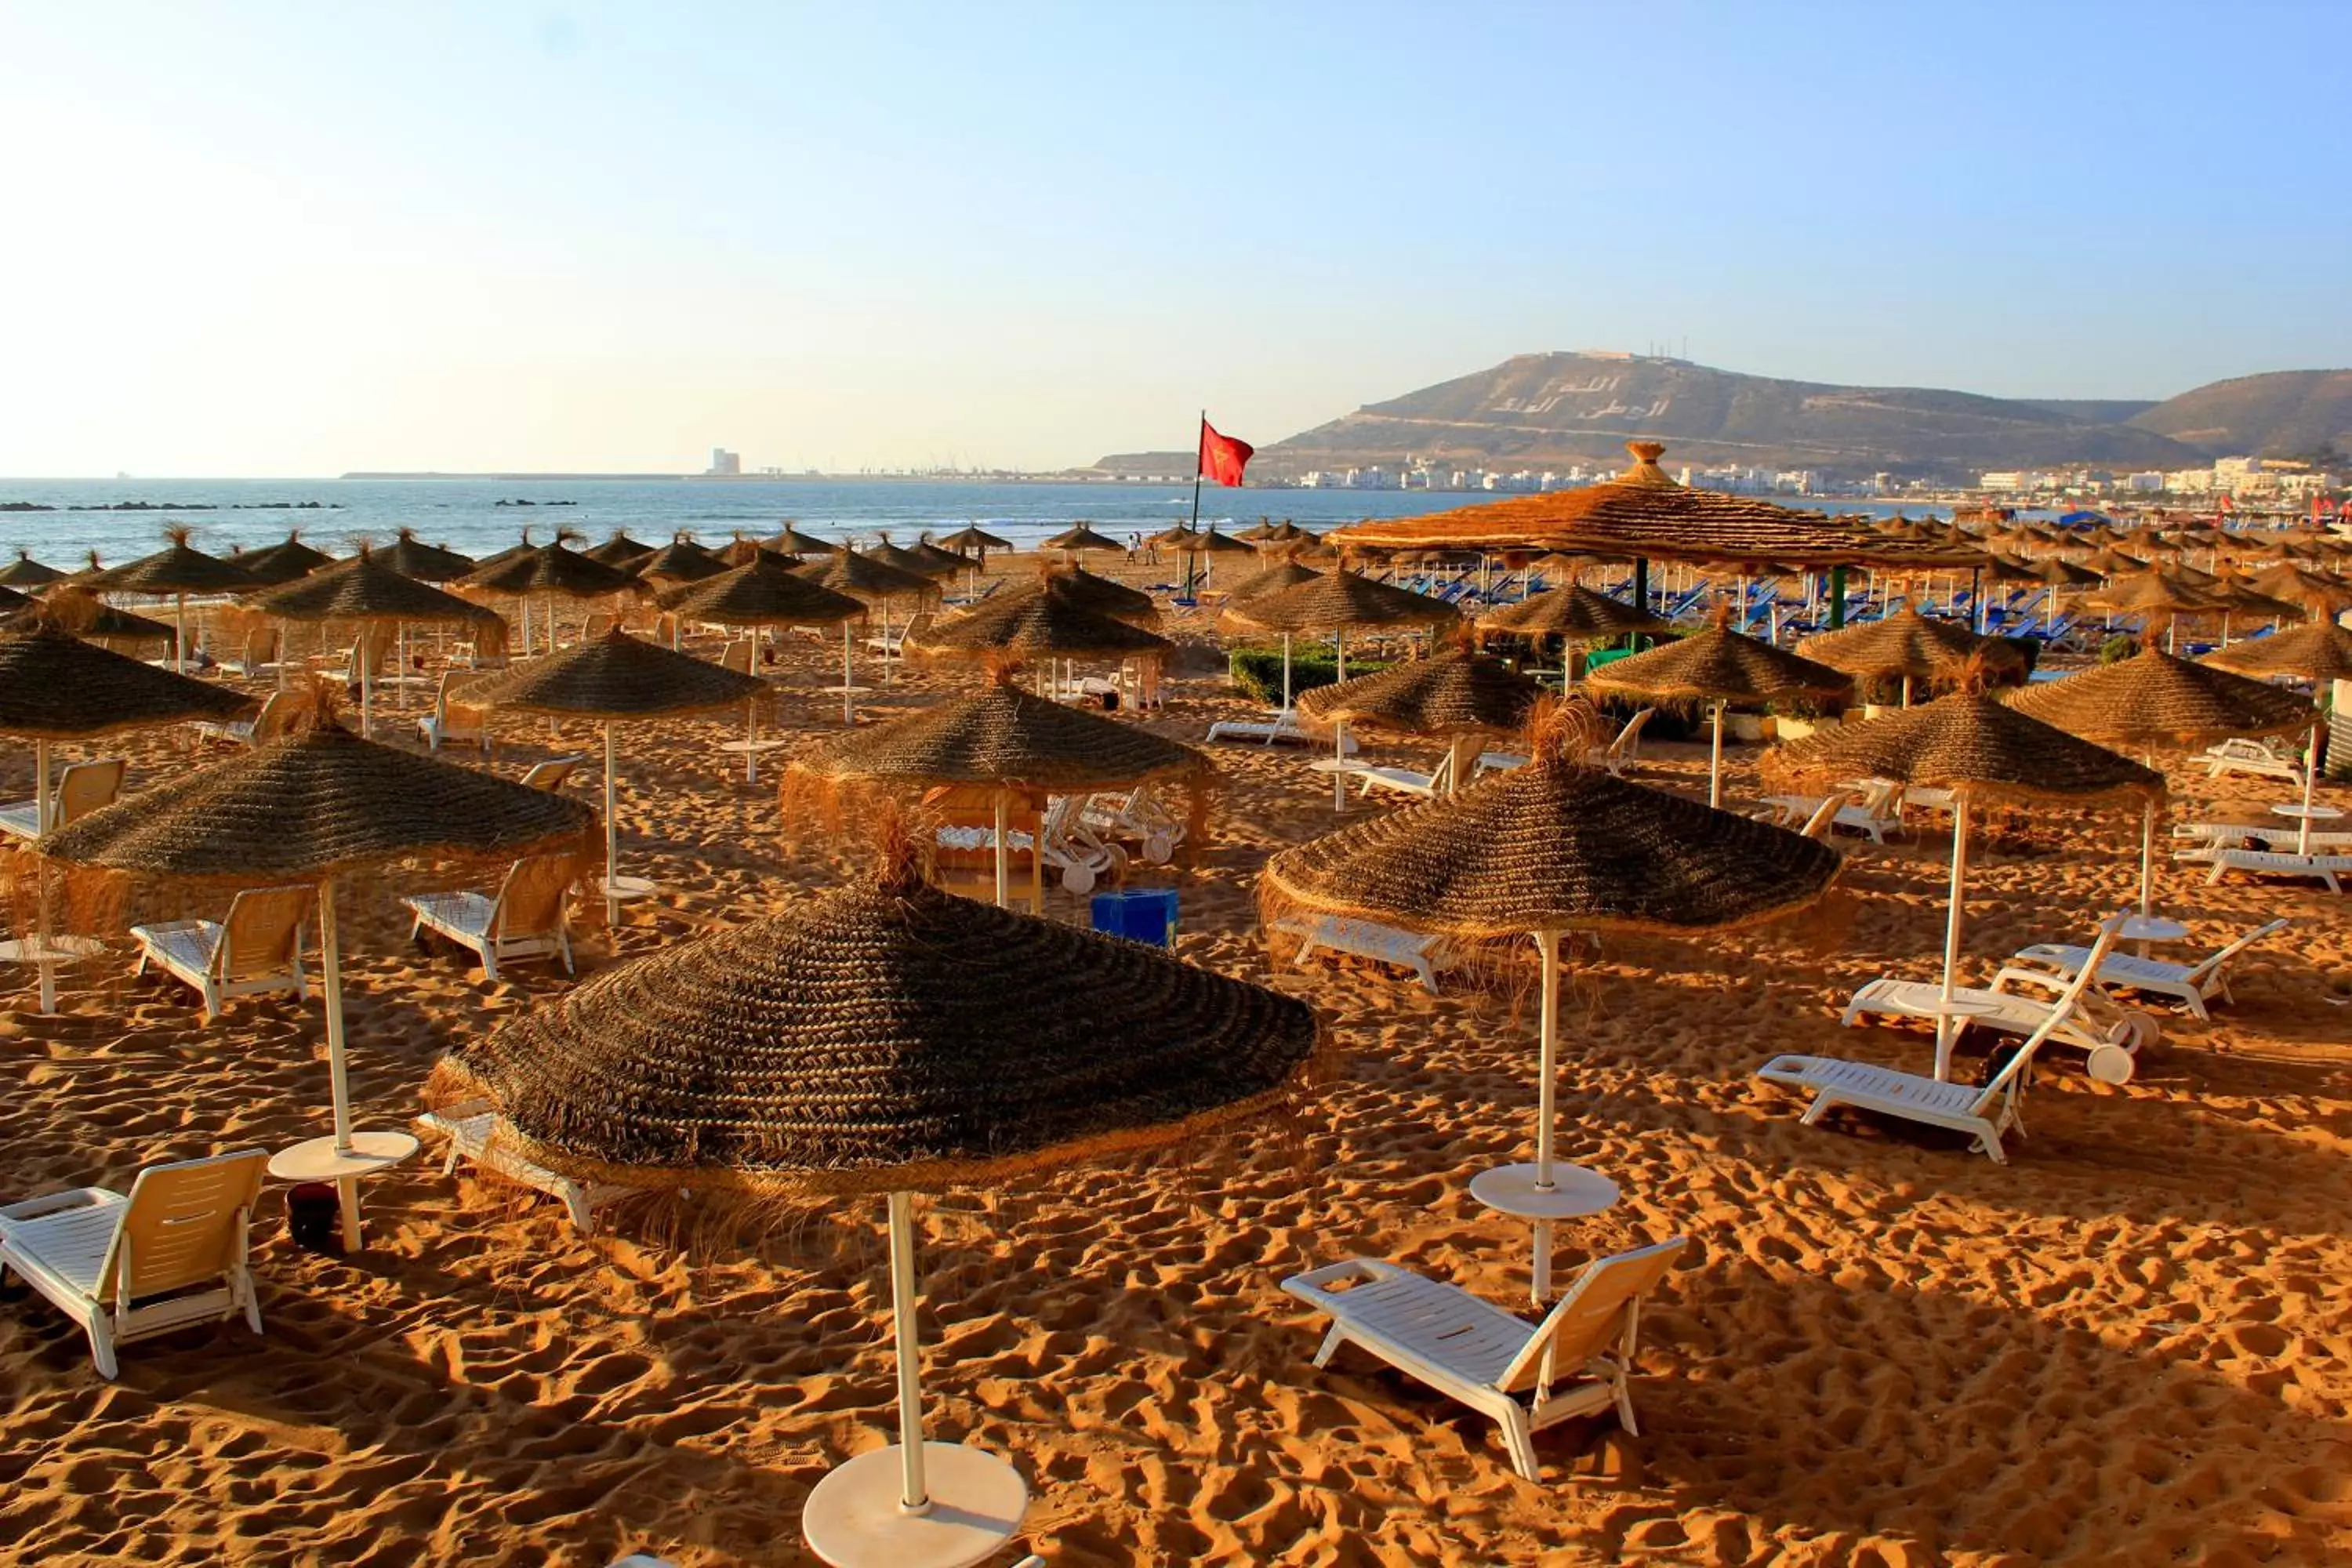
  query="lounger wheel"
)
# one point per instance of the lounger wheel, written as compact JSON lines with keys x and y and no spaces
{"x":1158,"y":847}
{"x":2109,"y":1064}
{"x":2138,"y":1031}
{"x":1078,"y":877}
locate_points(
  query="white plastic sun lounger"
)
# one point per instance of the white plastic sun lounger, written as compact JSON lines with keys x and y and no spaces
{"x":1878,"y":811}
{"x":2257,"y":758}
{"x":1625,"y":749}
{"x":2191,"y":984}
{"x":1426,"y":957}
{"x":525,"y":919}
{"x":1525,"y":1376}
{"x":2112,"y":1049}
{"x":256,"y":951}
{"x":1434,"y":786}
{"x":2203,"y":839}
{"x":1136,"y":814}
{"x":471,"y":1129}
{"x":1284,"y":726}
{"x":2325,"y":868}
{"x":82,"y":788}
{"x":171,"y":1254}
{"x":1986,"y":1112}
{"x":265,"y":725}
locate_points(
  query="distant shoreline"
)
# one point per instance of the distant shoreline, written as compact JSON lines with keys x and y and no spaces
{"x":805,"y":478}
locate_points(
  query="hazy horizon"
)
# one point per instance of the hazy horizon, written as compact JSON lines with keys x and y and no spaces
{"x":266,"y":240}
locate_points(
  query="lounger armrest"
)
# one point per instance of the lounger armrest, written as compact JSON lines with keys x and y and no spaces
{"x":49,"y":1203}
{"x":2047,"y":979}
{"x":1314,"y":1286}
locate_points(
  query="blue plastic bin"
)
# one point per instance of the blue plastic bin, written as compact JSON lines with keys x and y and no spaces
{"x":1139,"y":914}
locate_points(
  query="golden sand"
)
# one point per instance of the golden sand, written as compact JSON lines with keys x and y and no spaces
{"x":2129,"y":1345}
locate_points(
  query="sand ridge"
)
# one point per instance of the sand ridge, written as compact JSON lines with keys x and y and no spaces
{"x":2130,"y":1345}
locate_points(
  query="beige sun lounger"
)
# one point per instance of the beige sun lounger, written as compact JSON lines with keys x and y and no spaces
{"x":82,"y":789}
{"x":1426,"y":957}
{"x":1873,"y":807}
{"x":1137,"y":814}
{"x":524,"y":919}
{"x":453,"y":722}
{"x":1434,"y":786}
{"x":2256,"y":758}
{"x":471,"y":1129}
{"x":125,"y":1268}
{"x":552,"y":775}
{"x":1984,"y":1112}
{"x":1625,"y":749}
{"x":1525,"y":1376}
{"x":1284,"y":726}
{"x":2323,"y":869}
{"x":2190,"y":985}
{"x":257,"y":950}
{"x":2111,"y":1050}
{"x":266,"y":725}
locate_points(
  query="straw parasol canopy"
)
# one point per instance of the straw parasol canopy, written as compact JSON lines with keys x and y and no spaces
{"x":766,"y":591}
{"x":1041,"y":621}
{"x":679,"y":561}
{"x":366,"y":588}
{"x":1103,"y":595}
{"x":2316,"y":591}
{"x":26,"y":573}
{"x":2315,"y":651}
{"x":88,"y":618}
{"x":886,"y":1038}
{"x":281,"y":563}
{"x":2109,"y":561}
{"x":56,"y":687}
{"x":1551,"y":847}
{"x":11,"y":600}
{"x":1083,"y":537}
{"x":972,"y":538}
{"x":914,"y":561}
{"x":1013,"y":743}
{"x":176,"y":569}
{"x":2153,"y":699}
{"x":793,"y":542}
{"x":1979,"y":750}
{"x":1644,"y":513}
{"x":845,"y":571}
{"x":308,"y":808}
{"x":550,"y":568}
{"x":2049,"y":569}
{"x":1338,"y":601}
{"x":620,"y":550}
{"x":1906,"y":646}
{"x":1456,"y":695}
{"x":1718,"y":665}
{"x":616,"y":677}
{"x":1176,"y":538}
{"x":1575,"y":613}
{"x":943,"y":562}
{"x":1209,"y":542}
{"x":411,"y":557}
{"x":1273,"y":579}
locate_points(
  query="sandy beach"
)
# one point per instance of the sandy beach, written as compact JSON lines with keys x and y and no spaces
{"x":2127,"y":1346}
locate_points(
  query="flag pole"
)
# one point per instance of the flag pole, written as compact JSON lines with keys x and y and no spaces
{"x":1192,"y":561}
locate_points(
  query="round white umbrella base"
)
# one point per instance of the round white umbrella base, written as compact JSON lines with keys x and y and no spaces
{"x":751,"y":748}
{"x":317,"y":1160}
{"x":2150,"y":928}
{"x":1575,"y":1192}
{"x":629,"y":887}
{"x":57,"y":950}
{"x":852,"y":1519}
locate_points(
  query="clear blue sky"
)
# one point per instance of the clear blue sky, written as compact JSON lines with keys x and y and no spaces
{"x":295,"y":238}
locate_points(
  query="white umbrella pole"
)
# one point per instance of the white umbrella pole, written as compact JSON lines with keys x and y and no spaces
{"x":367,"y":656}
{"x":1003,"y":858}
{"x":347,"y":1188}
{"x":44,"y":806}
{"x":180,"y":636}
{"x":1944,"y":1031}
{"x":1286,"y":672}
{"x":1546,"y":1100}
{"x":2310,"y":778}
{"x":1339,"y":729}
{"x":612,"y":836}
{"x":848,"y":702}
{"x":914,"y":1496}
{"x":751,"y":738}
{"x":1715,"y":764}
{"x":2147,"y":861}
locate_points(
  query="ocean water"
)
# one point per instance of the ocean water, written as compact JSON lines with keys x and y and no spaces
{"x":466,"y":514}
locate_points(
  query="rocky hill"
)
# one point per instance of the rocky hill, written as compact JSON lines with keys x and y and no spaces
{"x":1550,"y":410}
{"x":2284,"y":414}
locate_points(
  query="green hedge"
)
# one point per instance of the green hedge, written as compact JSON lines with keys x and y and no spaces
{"x":1257,"y":671}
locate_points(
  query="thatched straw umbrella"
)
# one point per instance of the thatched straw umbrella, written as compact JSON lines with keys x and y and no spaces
{"x":76,"y":609}
{"x":874,"y":582}
{"x":312,"y":806}
{"x":2153,"y":699}
{"x":1074,"y":541}
{"x":975,"y":540}
{"x":1337,"y":602}
{"x":679,"y":561}
{"x":1274,"y":579}
{"x":56,"y":687}
{"x":1458,"y":697}
{"x":12,"y":601}
{"x":620,"y":550}
{"x":1044,"y":621}
{"x":411,"y":557}
{"x":1015,"y":743}
{"x":2316,"y":591}
{"x":1979,"y":750}
{"x":1201,"y":547}
{"x":756,"y":1063}
{"x":551,"y":571}
{"x":1575,"y":614}
{"x":793,"y":542}
{"x":1908,"y":647}
{"x":915,"y":561}
{"x":2317,"y":651}
{"x":613,"y":680}
{"x":26,"y":573}
{"x":174,"y":573}
{"x":281,"y":563}
{"x":1718,"y":667}
{"x":1103,"y":595}
{"x":1551,"y":847}
{"x":763,"y":595}
{"x":366,"y":592}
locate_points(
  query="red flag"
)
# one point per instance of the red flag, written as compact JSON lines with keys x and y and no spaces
{"x":1223,"y":458}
